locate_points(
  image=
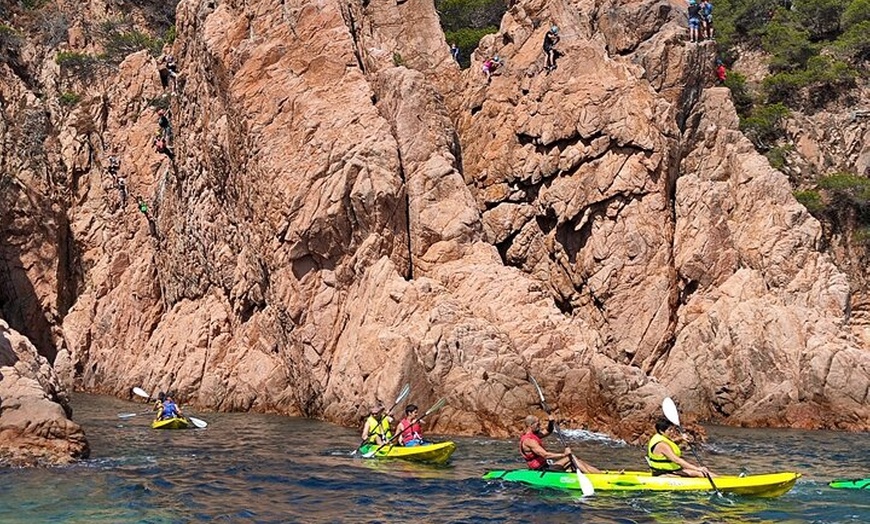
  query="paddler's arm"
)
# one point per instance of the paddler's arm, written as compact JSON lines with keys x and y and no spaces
{"x":690,"y":468}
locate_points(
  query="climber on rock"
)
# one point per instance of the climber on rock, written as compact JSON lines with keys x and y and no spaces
{"x":550,"y":41}
{"x":490,"y":65}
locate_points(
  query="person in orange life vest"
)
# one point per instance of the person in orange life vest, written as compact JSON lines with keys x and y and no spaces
{"x":538,"y":458}
{"x":409,"y":428}
{"x":664,"y":456}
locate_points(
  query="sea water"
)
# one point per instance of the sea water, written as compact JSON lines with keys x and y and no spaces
{"x":267,"y":468}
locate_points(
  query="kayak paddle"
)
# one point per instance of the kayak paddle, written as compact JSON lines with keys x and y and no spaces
{"x":438,"y":405}
{"x":671,"y":413}
{"x":402,"y":395}
{"x":198,"y":422}
{"x":585,"y":484}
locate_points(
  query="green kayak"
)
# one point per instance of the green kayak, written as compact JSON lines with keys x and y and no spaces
{"x":850,"y":483}
{"x":767,"y":485}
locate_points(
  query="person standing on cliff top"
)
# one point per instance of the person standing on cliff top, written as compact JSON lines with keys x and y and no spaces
{"x":376,"y":429}
{"x":538,"y":458}
{"x":664,"y":456}
{"x":694,"y":20}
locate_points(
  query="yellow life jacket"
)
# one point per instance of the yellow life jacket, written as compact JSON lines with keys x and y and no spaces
{"x":376,"y":428}
{"x":659,"y":462}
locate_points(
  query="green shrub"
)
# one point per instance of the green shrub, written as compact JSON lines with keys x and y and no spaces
{"x":459,"y":14}
{"x":854,"y":44}
{"x":789,"y":46}
{"x":9,"y":37}
{"x":465,"y":22}
{"x":398,"y":61}
{"x":820,"y":17}
{"x":861,"y":235}
{"x":739,"y":93}
{"x":121,"y":38}
{"x":811,"y":200}
{"x":825,"y":75}
{"x":467,"y":39}
{"x":171,"y":34}
{"x":764,"y":125}
{"x":858,"y":11}
{"x":68,"y":98}
{"x":846,"y":182}
{"x":776,"y":155}
{"x":81,"y":64}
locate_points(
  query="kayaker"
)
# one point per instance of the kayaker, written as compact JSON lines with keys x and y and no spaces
{"x":170,"y":409}
{"x":158,"y":405}
{"x":409,"y":428}
{"x":538,"y":458}
{"x":665,"y":457}
{"x":376,"y":429}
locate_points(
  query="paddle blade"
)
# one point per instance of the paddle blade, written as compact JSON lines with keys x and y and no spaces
{"x":585,"y":484}
{"x":141,"y":392}
{"x":402,"y":395}
{"x":198,"y":422}
{"x":671,"y":412}
{"x":438,"y":405}
{"x":126,"y":415}
{"x":544,"y":405}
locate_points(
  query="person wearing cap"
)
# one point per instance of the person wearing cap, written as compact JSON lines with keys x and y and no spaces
{"x":664,"y":456}
{"x":376,"y":429}
{"x":538,"y":458}
{"x":550,"y":41}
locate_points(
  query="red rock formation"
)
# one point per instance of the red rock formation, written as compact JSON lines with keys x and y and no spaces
{"x":347,"y":212}
{"x":35,"y":425}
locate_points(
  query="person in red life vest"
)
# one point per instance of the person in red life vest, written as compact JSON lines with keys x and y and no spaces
{"x":538,"y":458}
{"x":409,"y":428}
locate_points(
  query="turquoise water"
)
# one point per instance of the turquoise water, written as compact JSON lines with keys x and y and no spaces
{"x":262,"y":468}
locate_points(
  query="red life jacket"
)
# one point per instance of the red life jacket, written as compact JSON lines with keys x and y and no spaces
{"x":411,"y":431}
{"x":534,"y":460}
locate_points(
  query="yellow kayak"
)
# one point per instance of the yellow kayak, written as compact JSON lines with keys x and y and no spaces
{"x":437,"y":453}
{"x":171,"y":423}
{"x":766,"y":485}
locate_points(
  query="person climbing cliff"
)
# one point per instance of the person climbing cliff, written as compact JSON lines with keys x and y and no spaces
{"x":720,"y":72}
{"x":454,"y":52}
{"x":162,"y":147}
{"x":114,"y":165}
{"x":165,"y":124}
{"x":550,"y":41}
{"x":143,"y":208}
{"x":490,"y":65}
{"x":168,"y":72}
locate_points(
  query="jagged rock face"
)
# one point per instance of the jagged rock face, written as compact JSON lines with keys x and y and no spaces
{"x":35,"y":425}
{"x":334,"y":226}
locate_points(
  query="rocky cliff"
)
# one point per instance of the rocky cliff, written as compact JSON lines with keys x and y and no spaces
{"x":346,"y":211}
{"x":35,"y":425}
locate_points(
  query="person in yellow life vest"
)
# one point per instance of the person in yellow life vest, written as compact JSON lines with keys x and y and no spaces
{"x":664,"y":456}
{"x":376,"y":429}
{"x":158,"y":404}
